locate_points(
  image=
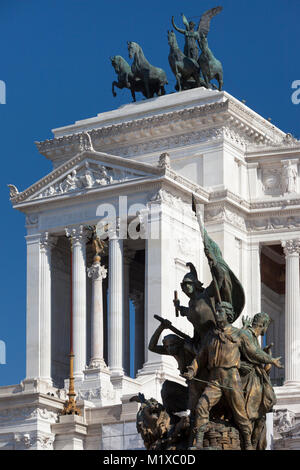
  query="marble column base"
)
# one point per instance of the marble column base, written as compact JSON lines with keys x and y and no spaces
{"x":97,"y":387}
{"x":38,"y":385}
{"x":70,"y":433}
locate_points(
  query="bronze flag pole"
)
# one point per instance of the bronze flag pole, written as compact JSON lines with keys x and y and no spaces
{"x":70,"y":407}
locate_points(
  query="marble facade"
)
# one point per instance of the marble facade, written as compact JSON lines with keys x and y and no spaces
{"x":145,"y":160}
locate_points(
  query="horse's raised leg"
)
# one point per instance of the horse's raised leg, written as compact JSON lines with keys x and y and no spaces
{"x":118,"y":85}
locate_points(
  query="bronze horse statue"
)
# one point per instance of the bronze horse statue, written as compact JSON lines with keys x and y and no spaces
{"x":153,"y":78}
{"x":210,"y":66}
{"x":126,"y":78}
{"x":183,"y":67}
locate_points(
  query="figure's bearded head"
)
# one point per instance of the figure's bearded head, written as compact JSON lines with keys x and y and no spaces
{"x":224,"y":314}
{"x":262,"y":321}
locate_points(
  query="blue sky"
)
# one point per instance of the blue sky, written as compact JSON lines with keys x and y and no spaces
{"x":55,"y":63}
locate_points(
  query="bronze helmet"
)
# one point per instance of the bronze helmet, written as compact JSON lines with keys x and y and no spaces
{"x":192,"y":277}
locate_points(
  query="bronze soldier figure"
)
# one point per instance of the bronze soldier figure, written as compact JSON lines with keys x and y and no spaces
{"x":259,"y":394}
{"x":221,"y":354}
{"x":175,"y":396}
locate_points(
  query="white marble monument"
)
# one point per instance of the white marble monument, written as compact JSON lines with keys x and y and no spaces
{"x":143,"y":161}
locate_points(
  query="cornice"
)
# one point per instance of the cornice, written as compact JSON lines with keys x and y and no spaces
{"x":227,"y":119}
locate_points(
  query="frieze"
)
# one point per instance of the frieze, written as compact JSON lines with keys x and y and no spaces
{"x":273,"y":223}
{"x":223,"y":214}
{"x":37,"y":439}
{"x":97,"y":394}
{"x":27,"y":413}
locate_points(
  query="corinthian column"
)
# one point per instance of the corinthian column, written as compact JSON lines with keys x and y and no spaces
{"x":45,"y":306}
{"x":97,"y":273}
{"x":115,"y":327}
{"x":292,"y":313}
{"x":78,"y":240}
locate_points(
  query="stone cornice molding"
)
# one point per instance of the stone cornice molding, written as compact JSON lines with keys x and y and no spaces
{"x":228,"y":118}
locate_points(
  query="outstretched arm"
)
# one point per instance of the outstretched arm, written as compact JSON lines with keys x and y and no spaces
{"x":257,"y":355}
{"x":182,"y":31}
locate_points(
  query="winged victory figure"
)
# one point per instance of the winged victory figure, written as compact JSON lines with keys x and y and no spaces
{"x":193,"y":36}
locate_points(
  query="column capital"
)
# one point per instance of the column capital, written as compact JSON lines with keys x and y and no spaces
{"x":77,"y":234}
{"x":291,"y":247}
{"x":97,"y":272}
{"x":47,"y":241}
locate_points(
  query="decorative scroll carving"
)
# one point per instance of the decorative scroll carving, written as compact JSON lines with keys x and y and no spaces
{"x":13,"y":191}
{"x":32,"y":219}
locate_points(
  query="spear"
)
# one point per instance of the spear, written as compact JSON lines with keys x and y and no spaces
{"x":201,"y":226}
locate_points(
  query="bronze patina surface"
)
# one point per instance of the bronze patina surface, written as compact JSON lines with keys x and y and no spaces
{"x":228,"y":391}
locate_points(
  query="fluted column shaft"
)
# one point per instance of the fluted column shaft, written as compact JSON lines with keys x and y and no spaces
{"x":292,"y":313}
{"x":78,"y":239}
{"x":97,"y":273}
{"x":115,"y":328}
{"x":45,"y":307}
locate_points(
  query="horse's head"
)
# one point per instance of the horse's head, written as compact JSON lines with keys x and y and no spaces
{"x":203,"y":41}
{"x":133,"y":48}
{"x":171,"y":38}
{"x":117,"y":61}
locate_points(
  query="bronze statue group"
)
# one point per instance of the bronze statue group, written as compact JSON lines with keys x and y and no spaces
{"x":228,"y":391}
{"x":195,"y":67}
